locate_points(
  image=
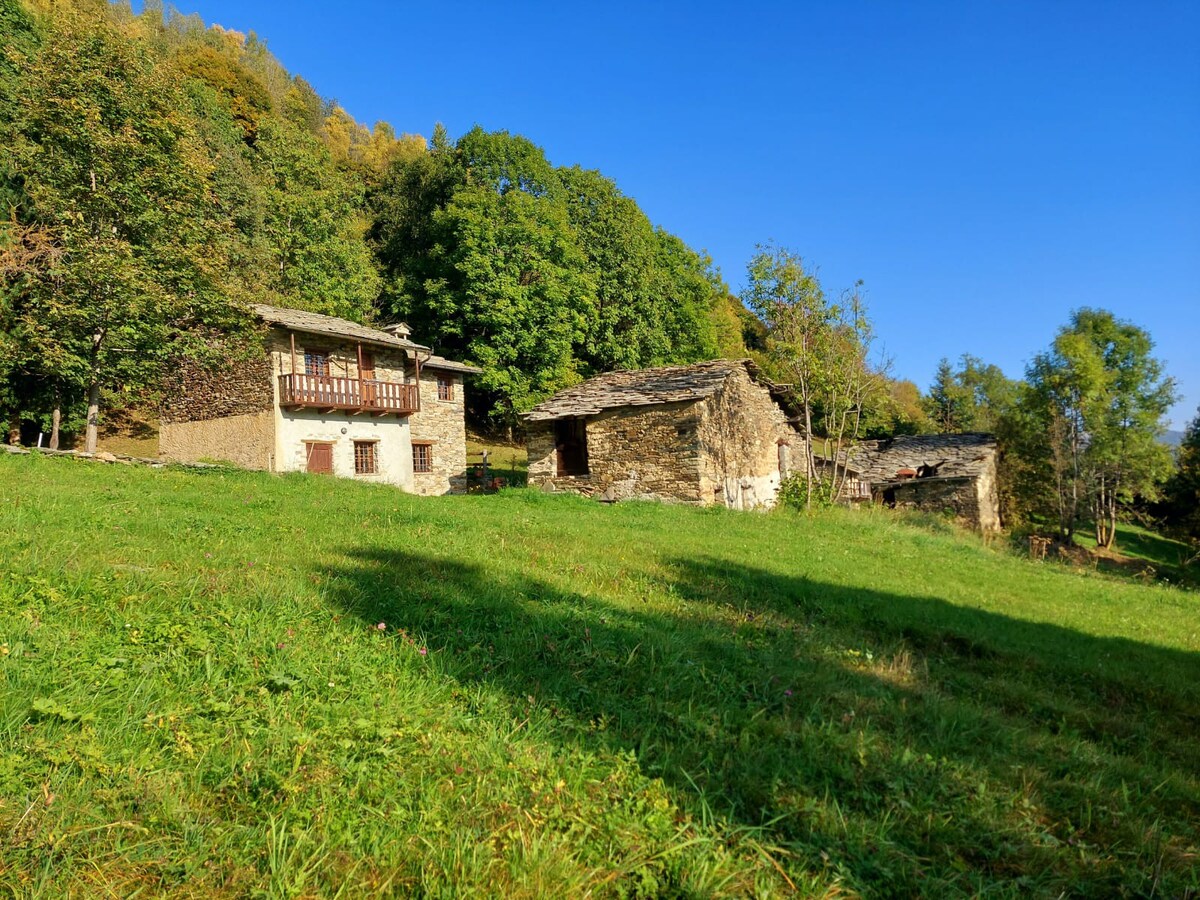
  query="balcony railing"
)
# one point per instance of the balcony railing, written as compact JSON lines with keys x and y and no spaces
{"x":347,"y":394}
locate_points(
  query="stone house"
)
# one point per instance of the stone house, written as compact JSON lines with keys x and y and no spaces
{"x":327,"y":396}
{"x":938,"y":473}
{"x":708,"y":433}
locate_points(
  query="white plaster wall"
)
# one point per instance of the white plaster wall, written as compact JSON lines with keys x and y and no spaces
{"x":393,"y":452}
{"x":752,"y":491}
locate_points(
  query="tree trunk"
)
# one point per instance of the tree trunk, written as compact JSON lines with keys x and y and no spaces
{"x":55,"y":422}
{"x":1111,"y":513}
{"x":809,"y":460}
{"x":93,"y":417}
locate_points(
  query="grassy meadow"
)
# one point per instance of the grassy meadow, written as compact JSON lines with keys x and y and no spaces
{"x":228,"y":684}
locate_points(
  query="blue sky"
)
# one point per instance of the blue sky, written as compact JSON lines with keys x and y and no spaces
{"x":984,"y":167}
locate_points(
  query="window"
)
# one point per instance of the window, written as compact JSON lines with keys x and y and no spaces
{"x":445,"y":388}
{"x":570,"y":446}
{"x":364,"y":458}
{"x":318,"y":457}
{"x":316,"y":363}
{"x":422,"y":457}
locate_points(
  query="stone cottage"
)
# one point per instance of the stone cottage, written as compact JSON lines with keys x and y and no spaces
{"x":709,"y":433}
{"x":939,"y":473}
{"x":327,"y":396}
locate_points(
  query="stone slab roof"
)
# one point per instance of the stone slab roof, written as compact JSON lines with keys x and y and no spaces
{"x":440,"y":362}
{"x":948,"y":454}
{"x":331,"y":326}
{"x":641,"y":387}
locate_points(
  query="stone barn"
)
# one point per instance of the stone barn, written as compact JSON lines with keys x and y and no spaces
{"x":708,"y":433}
{"x":939,"y":473}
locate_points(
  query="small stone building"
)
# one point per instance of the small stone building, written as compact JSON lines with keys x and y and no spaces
{"x":326,"y":396}
{"x":708,"y":433}
{"x":954,"y":473}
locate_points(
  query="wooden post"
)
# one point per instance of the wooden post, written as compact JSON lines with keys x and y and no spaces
{"x":362,"y":397}
{"x":293,"y":353}
{"x":417,"y":359}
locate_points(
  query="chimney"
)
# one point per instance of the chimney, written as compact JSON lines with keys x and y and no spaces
{"x":400,"y":330}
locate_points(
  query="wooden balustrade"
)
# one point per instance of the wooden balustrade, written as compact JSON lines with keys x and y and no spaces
{"x":329,"y":392}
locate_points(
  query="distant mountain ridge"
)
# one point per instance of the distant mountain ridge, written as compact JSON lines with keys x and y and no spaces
{"x":1173,"y":438}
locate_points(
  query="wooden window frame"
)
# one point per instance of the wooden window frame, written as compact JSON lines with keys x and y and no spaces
{"x":427,"y":447}
{"x":371,"y":445}
{"x":445,"y":388}
{"x":311,"y":357}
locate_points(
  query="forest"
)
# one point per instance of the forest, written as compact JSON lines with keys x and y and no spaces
{"x":160,"y":174}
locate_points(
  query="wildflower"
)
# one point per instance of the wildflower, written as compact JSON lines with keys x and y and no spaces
{"x":208,"y":556}
{"x":788,"y":692}
{"x":422,"y":651}
{"x":382,"y":626}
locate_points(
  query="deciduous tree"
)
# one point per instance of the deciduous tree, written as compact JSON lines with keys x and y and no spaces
{"x":1099,"y":397}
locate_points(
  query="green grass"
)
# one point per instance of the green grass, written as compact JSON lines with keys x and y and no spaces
{"x":567,"y":699}
{"x":504,"y":460}
{"x":1146,"y":554}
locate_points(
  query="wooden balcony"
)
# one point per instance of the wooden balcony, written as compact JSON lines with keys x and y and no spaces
{"x":332,"y":394}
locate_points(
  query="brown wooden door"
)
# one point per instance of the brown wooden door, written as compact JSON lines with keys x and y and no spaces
{"x":320,"y":457}
{"x":366,"y":372}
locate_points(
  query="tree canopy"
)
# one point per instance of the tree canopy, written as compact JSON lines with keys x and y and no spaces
{"x":1090,"y":422}
{"x":165,"y":174}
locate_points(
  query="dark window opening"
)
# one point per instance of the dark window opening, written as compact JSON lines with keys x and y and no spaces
{"x":364,"y":458}
{"x":422,"y":458}
{"x":445,"y":388}
{"x":570,"y":445}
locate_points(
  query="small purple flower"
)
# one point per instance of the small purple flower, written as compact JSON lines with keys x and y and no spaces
{"x":788,"y":692}
{"x":382,"y":626}
{"x":422,"y":651}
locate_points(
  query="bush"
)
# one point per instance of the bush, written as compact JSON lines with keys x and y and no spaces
{"x":793,"y":492}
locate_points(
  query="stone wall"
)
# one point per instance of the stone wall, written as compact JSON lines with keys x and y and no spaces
{"x":739,"y":433}
{"x":390,"y":365}
{"x":239,"y":388}
{"x":951,"y":495}
{"x":645,"y":453}
{"x":963,"y":478}
{"x":246,"y":440}
{"x":443,"y":424}
{"x":971,"y":499}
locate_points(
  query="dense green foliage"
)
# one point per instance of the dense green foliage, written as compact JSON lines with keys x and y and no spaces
{"x":1182,"y":492}
{"x":541,"y":275}
{"x":974,"y":396}
{"x":567,"y":698}
{"x":164,"y":174}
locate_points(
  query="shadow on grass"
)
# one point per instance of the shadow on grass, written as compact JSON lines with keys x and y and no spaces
{"x":1170,"y":557}
{"x":904,"y":744}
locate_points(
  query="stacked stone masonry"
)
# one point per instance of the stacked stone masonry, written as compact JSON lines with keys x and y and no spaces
{"x":705,"y":434}
{"x":955,"y":475}
{"x":441,"y":424}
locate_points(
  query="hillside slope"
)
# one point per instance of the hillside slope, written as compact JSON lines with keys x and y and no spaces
{"x":223,"y":683}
